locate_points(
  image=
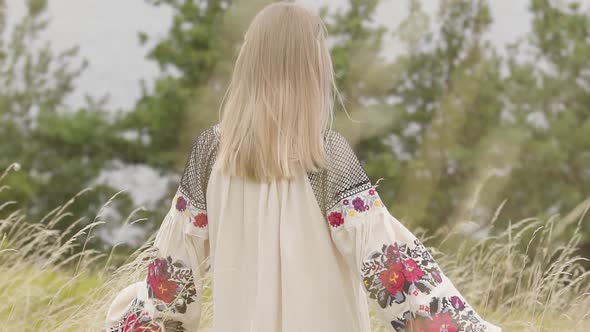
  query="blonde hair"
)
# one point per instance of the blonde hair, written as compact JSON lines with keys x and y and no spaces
{"x":280,"y":98}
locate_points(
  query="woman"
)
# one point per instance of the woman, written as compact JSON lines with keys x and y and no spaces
{"x":276,"y":206}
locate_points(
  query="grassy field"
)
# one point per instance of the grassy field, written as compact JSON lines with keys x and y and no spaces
{"x":523,"y":279}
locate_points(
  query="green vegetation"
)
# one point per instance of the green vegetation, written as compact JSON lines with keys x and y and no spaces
{"x":60,"y":150}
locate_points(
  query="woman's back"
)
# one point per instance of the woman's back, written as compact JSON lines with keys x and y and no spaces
{"x":274,"y":265}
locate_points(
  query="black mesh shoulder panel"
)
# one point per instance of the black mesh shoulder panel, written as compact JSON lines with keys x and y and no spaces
{"x":343,"y":177}
{"x":194,"y":180}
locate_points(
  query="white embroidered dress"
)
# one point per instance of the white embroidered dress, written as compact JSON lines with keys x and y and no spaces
{"x":303,"y":255}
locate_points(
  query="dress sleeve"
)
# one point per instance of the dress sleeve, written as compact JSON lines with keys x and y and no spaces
{"x":169,"y":298}
{"x":397,"y":271}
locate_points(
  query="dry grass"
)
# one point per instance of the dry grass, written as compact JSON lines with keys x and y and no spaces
{"x":523,"y":279}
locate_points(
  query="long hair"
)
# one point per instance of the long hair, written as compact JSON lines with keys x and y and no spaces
{"x":280,"y":98}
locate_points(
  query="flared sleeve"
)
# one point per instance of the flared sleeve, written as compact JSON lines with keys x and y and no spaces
{"x":398,"y":272}
{"x":169,"y":298}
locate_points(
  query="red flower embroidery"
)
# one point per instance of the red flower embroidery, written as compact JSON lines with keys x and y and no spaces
{"x":158,"y":279}
{"x":412,"y":271}
{"x":442,"y":323}
{"x":180,"y":203}
{"x":200,"y":220}
{"x":131,"y":323}
{"x":134,"y":324}
{"x":393,"y":278}
{"x":163,"y":288}
{"x":170,"y":285}
{"x":335,"y":219}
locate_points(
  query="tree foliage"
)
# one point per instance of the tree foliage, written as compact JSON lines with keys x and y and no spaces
{"x":61,"y":151}
{"x":471,"y":128}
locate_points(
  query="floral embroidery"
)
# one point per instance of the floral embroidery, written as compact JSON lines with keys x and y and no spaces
{"x":200,"y":220}
{"x":335,"y":219}
{"x":195,"y":216}
{"x":171,"y":285}
{"x":136,"y":320}
{"x":353,"y":206}
{"x":359,"y":204}
{"x":393,"y":279}
{"x":158,"y":279}
{"x":412,"y":271}
{"x":181,"y":203}
{"x":396,"y":271}
{"x":445,"y":314}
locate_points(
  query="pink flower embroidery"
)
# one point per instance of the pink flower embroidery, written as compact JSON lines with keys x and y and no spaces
{"x":436,"y":275}
{"x":457,"y":303}
{"x":412,"y":271}
{"x":392,"y":254}
{"x":180,"y":203}
{"x":335,"y":219}
{"x":358,"y":204}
